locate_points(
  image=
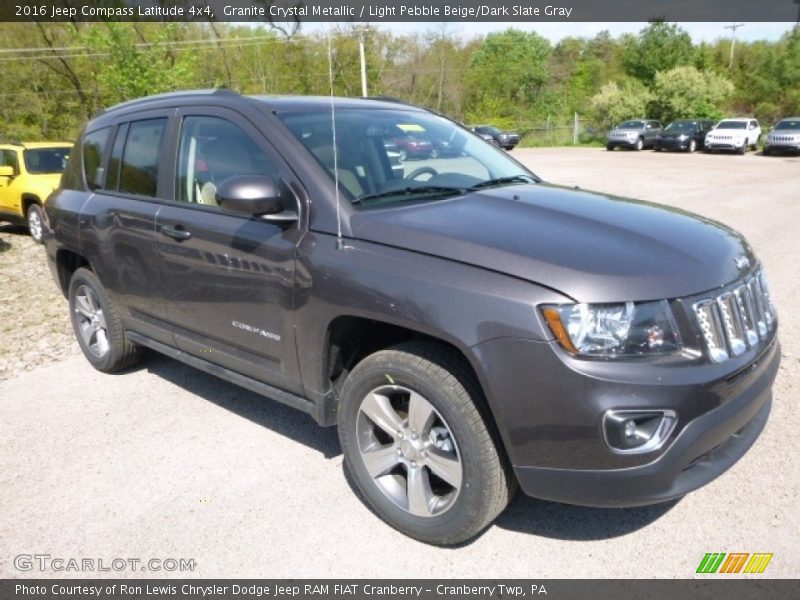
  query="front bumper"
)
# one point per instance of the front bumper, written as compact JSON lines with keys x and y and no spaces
{"x":624,"y":142}
{"x":724,"y":145}
{"x":772,"y":146}
{"x":673,"y":144}
{"x":553,"y":430}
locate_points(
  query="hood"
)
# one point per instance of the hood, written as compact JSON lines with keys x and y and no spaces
{"x":591,"y":247}
{"x":671,"y":135}
{"x":784,"y":132}
{"x":44,"y":183}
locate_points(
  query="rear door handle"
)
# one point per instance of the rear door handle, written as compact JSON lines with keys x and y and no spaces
{"x":177,"y":232}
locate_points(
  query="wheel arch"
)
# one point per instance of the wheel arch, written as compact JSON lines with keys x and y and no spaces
{"x":28,"y":199}
{"x":67,"y":262}
{"x":350,"y":339}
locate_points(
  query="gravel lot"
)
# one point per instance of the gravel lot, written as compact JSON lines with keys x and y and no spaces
{"x":166,"y":462}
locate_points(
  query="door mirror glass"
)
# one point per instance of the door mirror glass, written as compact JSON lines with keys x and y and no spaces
{"x":254,"y":195}
{"x":6,"y":171}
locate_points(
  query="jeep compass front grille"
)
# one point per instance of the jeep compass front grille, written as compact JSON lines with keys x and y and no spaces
{"x":740,"y":318}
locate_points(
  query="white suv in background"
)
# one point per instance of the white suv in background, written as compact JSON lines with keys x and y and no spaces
{"x":734,"y":134}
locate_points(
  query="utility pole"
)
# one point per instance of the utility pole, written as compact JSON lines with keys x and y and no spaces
{"x":364,"y":65}
{"x":733,"y":29}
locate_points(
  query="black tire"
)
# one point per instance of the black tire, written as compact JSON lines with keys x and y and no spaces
{"x":743,"y":149}
{"x":767,"y":151}
{"x":440,"y":377}
{"x":117,"y":352}
{"x":35,"y":220}
{"x":639,"y":145}
{"x":692,"y":146}
{"x":657,"y":148}
{"x":610,"y":147}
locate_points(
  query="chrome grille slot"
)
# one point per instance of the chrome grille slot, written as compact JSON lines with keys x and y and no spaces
{"x":738,"y":319}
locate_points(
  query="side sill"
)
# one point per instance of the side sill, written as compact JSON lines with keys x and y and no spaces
{"x":315,"y":410}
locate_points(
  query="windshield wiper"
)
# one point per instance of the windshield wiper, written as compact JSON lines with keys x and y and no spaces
{"x":420,"y":190}
{"x":504,"y":181}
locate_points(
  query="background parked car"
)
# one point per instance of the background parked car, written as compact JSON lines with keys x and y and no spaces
{"x":28,"y":173}
{"x":683,"y":134}
{"x":734,"y":134}
{"x":785,"y":137}
{"x":636,"y":134}
{"x":507,"y":140}
{"x":411,"y":147}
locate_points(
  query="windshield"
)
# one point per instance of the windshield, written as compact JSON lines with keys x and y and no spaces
{"x":631,"y":125}
{"x":788,"y":124}
{"x":680,"y":126}
{"x":390,"y":156}
{"x":46,"y":160}
{"x":732,"y":125}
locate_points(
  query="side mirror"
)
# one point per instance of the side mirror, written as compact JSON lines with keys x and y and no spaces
{"x":6,"y":171}
{"x":253,"y":195}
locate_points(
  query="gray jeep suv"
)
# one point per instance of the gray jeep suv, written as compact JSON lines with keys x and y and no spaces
{"x":469,"y":328}
{"x":635,"y":134}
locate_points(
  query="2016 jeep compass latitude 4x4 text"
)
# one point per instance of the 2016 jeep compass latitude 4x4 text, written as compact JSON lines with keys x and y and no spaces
{"x":469,"y":328}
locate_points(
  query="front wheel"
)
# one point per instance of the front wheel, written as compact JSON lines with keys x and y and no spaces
{"x":692,"y":146}
{"x":98,"y":326}
{"x":419,"y":449}
{"x":743,"y":149}
{"x":639,"y":145}
{"x":35,"y":221}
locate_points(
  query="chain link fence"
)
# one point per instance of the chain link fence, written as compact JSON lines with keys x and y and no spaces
{"x":561,"y":132}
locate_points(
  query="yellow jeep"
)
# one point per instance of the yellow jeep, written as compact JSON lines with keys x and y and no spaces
{"x":28,"y":173}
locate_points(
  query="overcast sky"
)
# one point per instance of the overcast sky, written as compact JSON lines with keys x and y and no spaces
{"x":707,"y":32}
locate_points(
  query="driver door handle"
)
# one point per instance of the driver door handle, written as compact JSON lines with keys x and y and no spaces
{"x":177,"y":232}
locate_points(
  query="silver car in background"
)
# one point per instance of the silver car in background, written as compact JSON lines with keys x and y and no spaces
{"x":634,"y":133}
{"x":784,"y":138}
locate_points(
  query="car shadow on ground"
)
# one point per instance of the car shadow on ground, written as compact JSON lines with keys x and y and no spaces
{"x":577,"y":523}
{"x":268,"y":413}
{"x":524,"y":514}
{"x":14,"y":229}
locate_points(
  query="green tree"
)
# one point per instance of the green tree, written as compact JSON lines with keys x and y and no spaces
{"x":659,"y":47}
{"x":616,"y":102}
{"x":507,"y":69}
{"x":685,"y":92}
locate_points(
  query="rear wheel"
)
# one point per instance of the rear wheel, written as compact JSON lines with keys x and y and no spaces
{"x":35,"y":222}
{"x":98,"y":326}
{"x":417,"y":446}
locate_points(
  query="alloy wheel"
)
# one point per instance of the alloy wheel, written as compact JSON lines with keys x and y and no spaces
{"x":91,"y":321}
{"x":35,"y":224}
{"x":409,"y":450}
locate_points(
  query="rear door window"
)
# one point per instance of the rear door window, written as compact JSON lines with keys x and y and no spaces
{"x":141,"y":157}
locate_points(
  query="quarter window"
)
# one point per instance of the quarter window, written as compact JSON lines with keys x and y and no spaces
{"x":138,"y":173}
{"x":93,"y":147}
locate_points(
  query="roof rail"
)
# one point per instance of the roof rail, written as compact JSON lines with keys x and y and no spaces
{"x":177,"y":94}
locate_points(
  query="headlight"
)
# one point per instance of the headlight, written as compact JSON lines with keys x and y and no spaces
{"x":614,"y":330}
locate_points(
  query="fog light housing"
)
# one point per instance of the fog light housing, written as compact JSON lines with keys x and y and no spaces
{"x":637,"y":431}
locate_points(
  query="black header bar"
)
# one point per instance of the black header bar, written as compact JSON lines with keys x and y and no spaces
{"x":386,"y":11}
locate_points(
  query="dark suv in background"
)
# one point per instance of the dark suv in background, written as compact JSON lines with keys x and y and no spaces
{"x":507,"y":140}
{"x":468,"y":327}
{"x":685,"y":135}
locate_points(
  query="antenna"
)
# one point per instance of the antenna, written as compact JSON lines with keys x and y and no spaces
{"x":339,"y":242}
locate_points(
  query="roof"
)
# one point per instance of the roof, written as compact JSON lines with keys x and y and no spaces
{"x":37,"y":145}
{"x":276,"y":103}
